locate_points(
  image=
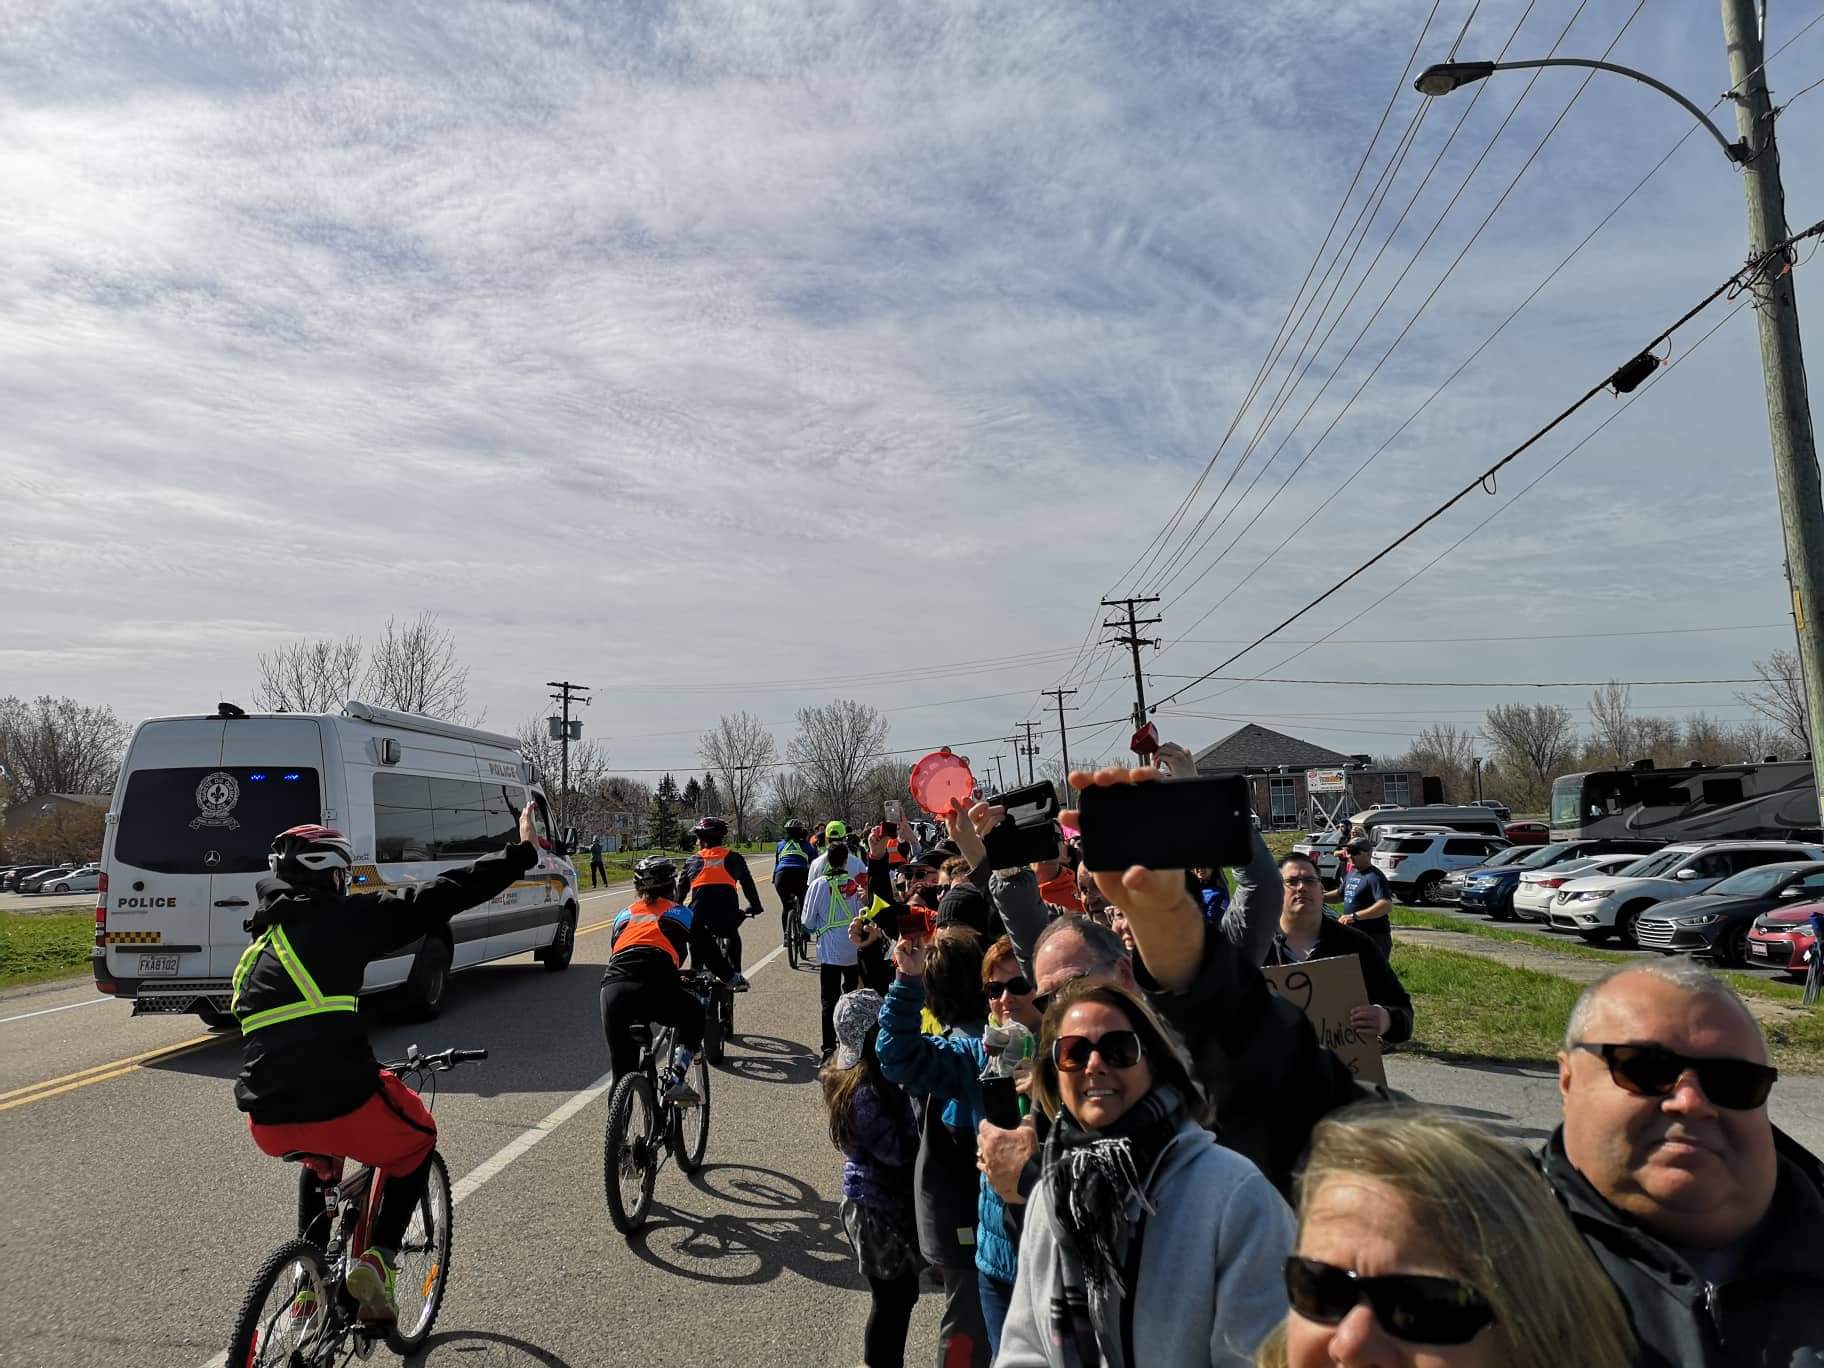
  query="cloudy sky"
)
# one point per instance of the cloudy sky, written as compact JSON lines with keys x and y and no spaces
{"x":728,"y":355}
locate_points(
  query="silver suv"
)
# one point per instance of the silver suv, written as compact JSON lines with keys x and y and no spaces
{"x":1415,"y":862}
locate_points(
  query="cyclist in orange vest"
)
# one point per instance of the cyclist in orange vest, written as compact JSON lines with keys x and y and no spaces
{"x":712,"y":883}
{"x":647,"y":945}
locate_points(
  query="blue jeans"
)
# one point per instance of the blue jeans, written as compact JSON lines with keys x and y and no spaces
{"x":997,"y":1296}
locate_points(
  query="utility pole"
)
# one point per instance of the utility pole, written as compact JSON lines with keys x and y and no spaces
{"x":1478,"y":760}
{"x":1795,"y":456}
{"x":567,"y":693}
{"x":1063,"y":732}
{"x":1000,"y":779}
{"x":1133,"y":641}
{"x":1031,"y":753}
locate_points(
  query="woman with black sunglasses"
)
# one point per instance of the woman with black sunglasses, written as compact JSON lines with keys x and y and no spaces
{"x":1146,"y":1242}
{"x":1425,"y":1242}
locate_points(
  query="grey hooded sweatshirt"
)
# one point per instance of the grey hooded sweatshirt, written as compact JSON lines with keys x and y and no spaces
{"x":1211,"y":1283}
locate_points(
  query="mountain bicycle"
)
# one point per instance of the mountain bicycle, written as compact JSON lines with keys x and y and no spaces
{"x":642,"y":1130}
{"x":297,"y":1312}
{"x":799,"y":943}
{"x":718,"y":1007}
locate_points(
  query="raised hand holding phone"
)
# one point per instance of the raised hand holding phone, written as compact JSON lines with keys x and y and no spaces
{"x":909,"y":957}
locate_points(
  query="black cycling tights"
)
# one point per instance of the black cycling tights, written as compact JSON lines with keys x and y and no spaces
{"x":884,"y":1340}
{"x":630,"y":998}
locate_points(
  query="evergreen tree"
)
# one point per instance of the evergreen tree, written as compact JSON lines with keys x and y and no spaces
{"x":693,"y":797}
{"x":664,"y":827}
{"x":710,"y":798}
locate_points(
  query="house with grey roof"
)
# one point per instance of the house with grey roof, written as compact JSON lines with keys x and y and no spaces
{"x":1280,"y":770}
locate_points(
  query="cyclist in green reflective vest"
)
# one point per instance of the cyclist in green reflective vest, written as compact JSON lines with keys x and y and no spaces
{"x":309,"y":1081}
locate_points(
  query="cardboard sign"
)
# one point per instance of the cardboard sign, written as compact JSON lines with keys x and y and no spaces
{"x":1326,"y":990}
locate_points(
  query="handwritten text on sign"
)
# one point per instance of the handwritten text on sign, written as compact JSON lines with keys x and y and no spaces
{"x":1326,"y":990}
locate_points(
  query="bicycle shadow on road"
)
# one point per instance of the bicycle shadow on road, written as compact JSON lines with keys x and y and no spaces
{"x":482,"y":1349}
{"x":768,"y":1059}
{"x":791,"y":1230}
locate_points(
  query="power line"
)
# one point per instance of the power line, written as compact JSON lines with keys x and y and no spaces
{"x":1452,"y":641}
{"x":1424,"y":304}
{"x":1739,"y":280}
{"x":1453,"y":683}
{"x":1161,"y":538}
{"x":1571,"y":451}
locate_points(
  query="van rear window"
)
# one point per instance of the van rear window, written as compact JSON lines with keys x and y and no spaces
{"x":211,"y":819}
{"x":1410,"y":845}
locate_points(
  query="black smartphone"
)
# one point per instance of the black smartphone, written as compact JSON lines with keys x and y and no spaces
{"x":889,"y":829}
{"x":1167,"y":824}
{"x":1029,"y":831}
{"x":1000,"y":1102}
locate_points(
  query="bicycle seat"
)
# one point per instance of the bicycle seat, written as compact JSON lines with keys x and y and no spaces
{"x":306,"y":1157}
{"x":640,"y":1032}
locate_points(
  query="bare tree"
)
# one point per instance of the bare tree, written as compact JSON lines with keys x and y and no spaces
{"x":308,"y":676}
{"x":1533,"y":742}
{"x":884,"y":781}
{"x":414,"y":668}
{"x":739,"y":752}
{"x":1780,"y":696}
{"x":833,"y":746}
{"x":1443,"y":750}
{"x":792,"y":796}
{"x":1756,"y":739}
{"x":1660,"y":739}
{"x":1614,"y":729}
{"x":588,"y":767}
{"x":57,"y":745}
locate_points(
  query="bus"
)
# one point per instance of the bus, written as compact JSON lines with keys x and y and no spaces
{"x":1774,"y":800}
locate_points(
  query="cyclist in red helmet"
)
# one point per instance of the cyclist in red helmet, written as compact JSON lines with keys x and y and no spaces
{"x":309,"y":1080}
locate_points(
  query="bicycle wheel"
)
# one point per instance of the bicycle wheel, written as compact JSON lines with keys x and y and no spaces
{"x":690,"y":1125}
{"x":285,"y":1319}
{"x":791,"y":937}
{"x":424,"y":1262}
{"x":712,"y":1027}
{"x":630,"y":1161}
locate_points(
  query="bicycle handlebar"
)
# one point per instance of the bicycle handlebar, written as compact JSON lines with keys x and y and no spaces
{"x":441,"y":1062}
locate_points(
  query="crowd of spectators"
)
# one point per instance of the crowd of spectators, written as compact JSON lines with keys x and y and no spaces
{"x":1192,"y":1177}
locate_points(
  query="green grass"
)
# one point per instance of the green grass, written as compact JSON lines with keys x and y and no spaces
{"x":1797,"y":1043}
{"x":1466,"y":1007}
{"x":1281,"y":842}
{"x":620,"y":864}
{"x":37,"y":947}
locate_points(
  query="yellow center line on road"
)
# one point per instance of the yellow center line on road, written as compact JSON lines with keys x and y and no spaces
{"x":99,"y":1073}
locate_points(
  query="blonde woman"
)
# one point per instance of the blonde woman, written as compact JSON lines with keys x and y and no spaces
{"x":1423,"y":1242}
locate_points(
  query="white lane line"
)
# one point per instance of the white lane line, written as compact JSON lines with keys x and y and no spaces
{"x":517,"y":1147}
{"x":67,"y":1007}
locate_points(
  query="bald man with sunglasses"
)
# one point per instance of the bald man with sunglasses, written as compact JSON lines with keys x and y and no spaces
{"x":1708,"y":1220}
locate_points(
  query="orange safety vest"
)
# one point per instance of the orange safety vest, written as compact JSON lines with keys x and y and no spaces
{"x":895,"y":854}
{"x":642,"y":928}
{"x":714,"y":872}
{"x":1062,"y":891}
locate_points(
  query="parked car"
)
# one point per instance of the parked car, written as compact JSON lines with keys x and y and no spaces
{"x":1538,"y":887}
{"x":1607,"y":905}
{"x":1782,"y":939}
{"x":1475,"y":821}
{"x":31,"y":883}
{"x":1456,"y":884}
{"x":1501,"y":809}
{"x":1716,"y":922}
{"x":84,"y":880}
{"x":1415,"y":863}
{"x":1321,"y":846}
{"x":10,"y":883}
{"x":1527,"y":833}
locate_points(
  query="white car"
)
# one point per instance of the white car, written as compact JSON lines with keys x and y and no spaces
{"x":1600,"y":906}
{"x":1321,"y":846}
{"x":1415,"y":862}
{"x":84,"y":880}
{"x":1538,"y":888}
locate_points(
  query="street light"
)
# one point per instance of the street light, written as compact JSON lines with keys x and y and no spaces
{"x":1444,"y":77}
{"x":1795,"y":459}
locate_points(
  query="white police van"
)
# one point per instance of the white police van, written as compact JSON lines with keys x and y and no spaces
{"x":199,"y":800}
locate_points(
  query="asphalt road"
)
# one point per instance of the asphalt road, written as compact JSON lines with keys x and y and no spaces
{"x":136,"y":1207}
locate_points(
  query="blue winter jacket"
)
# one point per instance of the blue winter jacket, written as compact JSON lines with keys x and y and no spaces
{"x":947,"y":1067}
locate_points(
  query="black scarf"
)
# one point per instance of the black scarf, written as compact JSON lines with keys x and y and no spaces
{"x":1094,"y":1175}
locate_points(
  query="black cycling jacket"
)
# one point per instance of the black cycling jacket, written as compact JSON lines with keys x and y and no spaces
{"x":321,"y":1067}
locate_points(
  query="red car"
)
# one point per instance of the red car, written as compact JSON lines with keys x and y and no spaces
{"x":1527,"y":833}
{"x":1783,"y":939}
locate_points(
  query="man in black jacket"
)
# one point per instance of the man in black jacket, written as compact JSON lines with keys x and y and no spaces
{"x":309,"y":1080}
{"x":1307,"y":933}
{"x":1709,"y":1221}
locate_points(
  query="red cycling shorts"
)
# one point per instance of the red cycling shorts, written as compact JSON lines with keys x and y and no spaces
{"x":391,"y":1132}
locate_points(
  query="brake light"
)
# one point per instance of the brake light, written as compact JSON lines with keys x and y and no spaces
{"x":101,"y":912}
{"x":1393,"y":861}
{"x":1553,"y":883}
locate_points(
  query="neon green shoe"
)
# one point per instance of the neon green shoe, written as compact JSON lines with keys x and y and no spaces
{"x":370,"y":1282}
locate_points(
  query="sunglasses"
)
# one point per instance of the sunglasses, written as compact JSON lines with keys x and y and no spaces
{"x":1419,"y":1310}
{"x":1018,"y":986}
{"x":1652,"y":1071}
{"x":1300,"y":880}
{"x":1119,"y":1050}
